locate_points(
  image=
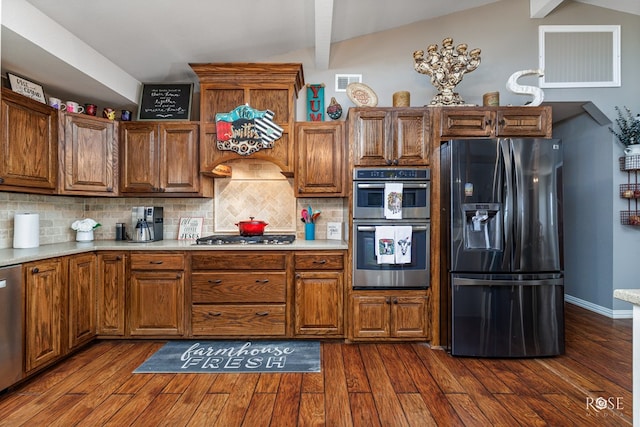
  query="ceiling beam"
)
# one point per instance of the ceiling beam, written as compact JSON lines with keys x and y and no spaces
{"x":541,"y":8}
{"x":323,"y":21}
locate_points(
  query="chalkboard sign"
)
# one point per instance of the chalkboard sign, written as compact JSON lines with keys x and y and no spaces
{"x":165,"y":101}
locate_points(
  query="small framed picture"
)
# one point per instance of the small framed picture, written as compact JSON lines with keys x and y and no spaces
{"x":26,"y":88}
{"x":190,"y":228}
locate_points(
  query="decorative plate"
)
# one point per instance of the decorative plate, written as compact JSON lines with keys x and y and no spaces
{"x":362,"y":95}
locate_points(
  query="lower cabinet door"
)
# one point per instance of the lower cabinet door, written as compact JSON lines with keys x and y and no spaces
{"x":318,"y":303}
{"x":156,"y":303}
{"x":44,"y":288}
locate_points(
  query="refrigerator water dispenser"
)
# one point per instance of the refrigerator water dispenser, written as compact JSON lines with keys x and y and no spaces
{"x":483,"y":226}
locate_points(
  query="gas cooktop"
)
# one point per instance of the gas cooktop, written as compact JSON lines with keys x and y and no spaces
{"x":265,"y":239}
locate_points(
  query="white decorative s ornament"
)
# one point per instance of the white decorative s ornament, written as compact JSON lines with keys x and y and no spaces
{"x":536,"y":92}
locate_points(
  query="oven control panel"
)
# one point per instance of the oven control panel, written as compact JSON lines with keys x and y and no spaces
{"x":386,"y":174}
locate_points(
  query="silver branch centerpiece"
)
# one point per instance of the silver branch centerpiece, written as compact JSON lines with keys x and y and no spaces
{"x":446,"y":67}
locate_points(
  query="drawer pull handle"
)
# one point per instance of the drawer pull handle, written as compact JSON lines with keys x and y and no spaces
{"x":322,"y":261}
{"x":215,"y":282}
{"x":156,"y":262}
{"x":262,"y":281}
{"x":216,"y":314}
{"x":262,"y":313}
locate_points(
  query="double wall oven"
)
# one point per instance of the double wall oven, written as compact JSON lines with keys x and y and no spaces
{"x":370,"y":197}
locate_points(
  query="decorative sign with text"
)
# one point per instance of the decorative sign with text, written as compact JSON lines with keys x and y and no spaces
{"x":315,"y":102}
{"x":246,"y":130}
{"x":26,"y":88}
{"x":165,"y":101}
{"x":190,"y":228}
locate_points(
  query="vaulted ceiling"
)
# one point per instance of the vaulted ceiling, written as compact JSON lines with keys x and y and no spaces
{"x":121,"y":43}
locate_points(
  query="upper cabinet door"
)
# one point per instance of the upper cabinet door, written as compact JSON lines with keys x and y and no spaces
{"x":29,"y":145}
{"x":140,"y":160}
{"x":320,"y":159}
{"x":88,"y":150}
{"x":179,"y":158}
{"x":369,"y":130}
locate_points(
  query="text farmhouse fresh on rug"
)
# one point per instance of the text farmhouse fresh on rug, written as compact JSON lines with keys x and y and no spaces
{"x":232,"y":357}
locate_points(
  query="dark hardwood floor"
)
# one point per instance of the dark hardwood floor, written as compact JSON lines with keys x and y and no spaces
{"x":360,"y":385}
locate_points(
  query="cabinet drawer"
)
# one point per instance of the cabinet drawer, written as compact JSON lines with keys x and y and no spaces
{"x":241,"y":320}
{"x":217,"y":287}
{"x":329,"y":261}
{"x":238,"y":261}
{"x":156,"y":261}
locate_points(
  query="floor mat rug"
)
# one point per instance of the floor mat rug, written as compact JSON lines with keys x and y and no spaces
{"x":233,"y":357}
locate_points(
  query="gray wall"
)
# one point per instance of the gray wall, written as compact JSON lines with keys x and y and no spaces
{"x":600,"y":253}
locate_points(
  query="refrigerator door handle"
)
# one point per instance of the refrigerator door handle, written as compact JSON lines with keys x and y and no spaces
{"x":503,"y":282}
{"x":508,"y":205}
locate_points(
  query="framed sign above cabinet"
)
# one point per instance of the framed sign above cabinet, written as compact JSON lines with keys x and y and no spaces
{"x":165,"y":101}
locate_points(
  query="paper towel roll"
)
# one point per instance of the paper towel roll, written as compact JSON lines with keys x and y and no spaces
{"x":26,"y":230}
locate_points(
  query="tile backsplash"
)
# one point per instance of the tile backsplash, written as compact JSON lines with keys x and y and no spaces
{"x":256,"y":189}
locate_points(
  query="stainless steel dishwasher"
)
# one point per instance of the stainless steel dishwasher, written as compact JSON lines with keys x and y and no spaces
{"x":10,"y":325}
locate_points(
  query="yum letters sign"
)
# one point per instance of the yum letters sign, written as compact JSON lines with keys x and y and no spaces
{"x":315,"y":102}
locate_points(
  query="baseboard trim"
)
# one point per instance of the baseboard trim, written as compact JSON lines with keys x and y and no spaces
{"x":613,"y":314}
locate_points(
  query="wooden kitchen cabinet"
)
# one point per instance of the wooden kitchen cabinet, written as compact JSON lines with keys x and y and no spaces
{"x":380,"y":315}
{"x":82,"y":282}
{"x":29,"y":145}
{"x":321,"y":159}
{"x":239,"y":293}
{"x":89,"y":155}
{"x":262,"y":86}
{"x":45,"y":309}
{"x":319,"y":294}
{"x":161,"y":159}
{"x":156,"y":294}
{"x":110,"y":294}
{"x":389,"y":136}
{"x":495,"y":122}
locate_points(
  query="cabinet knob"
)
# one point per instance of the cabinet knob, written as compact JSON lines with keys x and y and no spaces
{"x":109,"y":189}
{"x":298,"y":275}
{"x":118,"y":258}
{"x":395,"y":162}
{"x":487,"y":123}
{"x":1,"y":180}
{"x":387,"y":300}
{"x":395,"y":300}
{"x":502,"y":122}
{"x":388,"y":162}
{"x":262,"y":281}
{"x":212,"y":314}
{"x":156,"y":262}
{"x":35,"y":270}
{"x":262,"y":313}
{"x":215,"y":282}
{"x":320,"y":261}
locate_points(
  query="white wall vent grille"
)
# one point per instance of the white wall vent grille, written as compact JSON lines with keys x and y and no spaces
{"x":344,"y":80}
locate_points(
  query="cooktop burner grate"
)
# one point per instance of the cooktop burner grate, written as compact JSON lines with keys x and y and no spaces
{"x":265,"y":239}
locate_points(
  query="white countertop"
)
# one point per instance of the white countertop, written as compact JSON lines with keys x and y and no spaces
{"x":12,"y":256}
{"x":628,"y":295}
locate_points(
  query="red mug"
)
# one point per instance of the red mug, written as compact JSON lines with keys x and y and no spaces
{"x":90,"y":109}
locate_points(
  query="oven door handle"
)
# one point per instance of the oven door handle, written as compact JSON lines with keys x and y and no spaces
{"x":404,"y":185}
{"x":373,"y":228}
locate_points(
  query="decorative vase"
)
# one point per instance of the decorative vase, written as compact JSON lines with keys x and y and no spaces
{"x":334,"y":110}
{"x":84,"y":236}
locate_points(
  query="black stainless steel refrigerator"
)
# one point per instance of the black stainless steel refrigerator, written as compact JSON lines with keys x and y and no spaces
{"x":502,"y":227}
